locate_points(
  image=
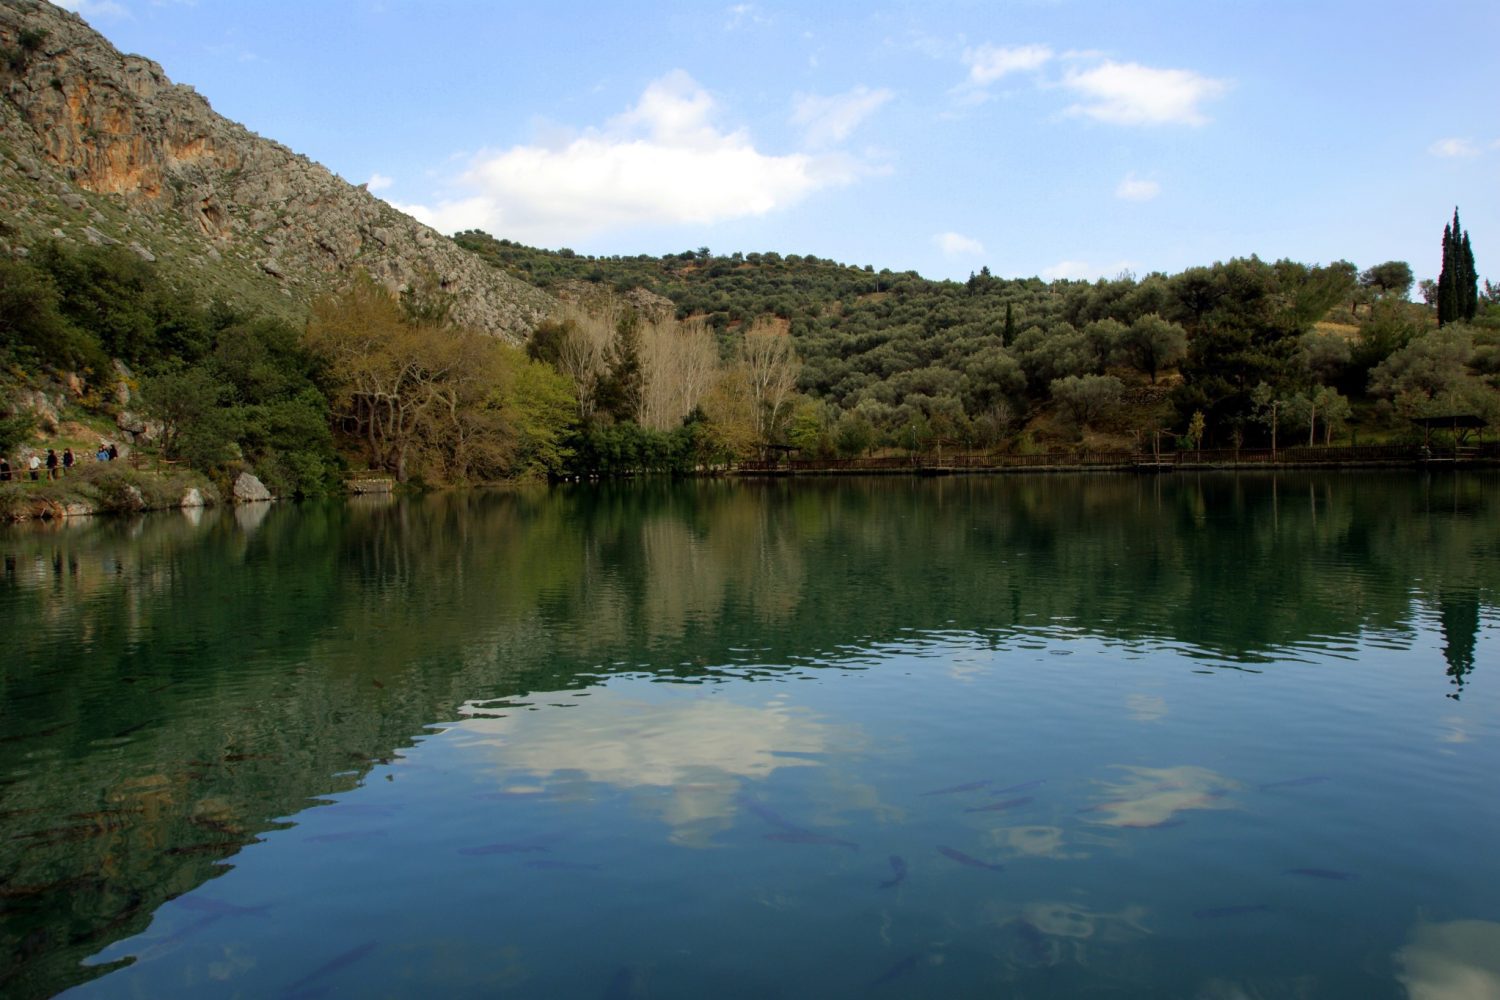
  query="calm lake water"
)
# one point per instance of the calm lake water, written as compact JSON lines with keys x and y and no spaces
{"x":1217,"y":737}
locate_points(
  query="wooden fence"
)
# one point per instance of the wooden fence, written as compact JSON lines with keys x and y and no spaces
{"x":936,"y":462}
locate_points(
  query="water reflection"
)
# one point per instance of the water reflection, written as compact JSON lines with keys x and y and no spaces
{"x":174,"y":687}
{"x":1457,"y":960}
{"x":688,"y":758}
{"x":1152,"y":797}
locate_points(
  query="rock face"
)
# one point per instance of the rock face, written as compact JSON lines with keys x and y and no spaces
{"x":248,"y":489}
{"x":103,"y":149}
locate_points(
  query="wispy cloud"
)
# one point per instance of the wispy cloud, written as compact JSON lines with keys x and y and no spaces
{"x":829,"y":120}
{"x":958,"y":245}
{"x":988,"y":63}
{"x":1132,"y":94}
{"x":378,"y":182}
{"x":1453,"y":148}
{"x":1134,"y":188}
{"x":662,"y":162}
{"x":743,"y":14}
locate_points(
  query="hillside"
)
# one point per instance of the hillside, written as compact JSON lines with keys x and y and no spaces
{"x":100,"y":148}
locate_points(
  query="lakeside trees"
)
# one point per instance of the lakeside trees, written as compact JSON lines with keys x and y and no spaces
{"x":694,"y":359}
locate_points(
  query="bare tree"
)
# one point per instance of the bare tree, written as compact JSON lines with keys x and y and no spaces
{"x":769,"y":366}
{"x":679,"y":362}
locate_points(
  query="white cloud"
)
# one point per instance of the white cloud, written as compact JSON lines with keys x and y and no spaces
{"x":828,"y":120}
{"x":958,"y":245}
{"x":1134,"y":188}
{"x":94,"y":8}
{"x":1078,"y":270}
{"x":1454,"y":148}
{"x":988,"y":63}
{"x":1132,"y":94}
{"x":662,"y":162}
{"x":378,"y":182}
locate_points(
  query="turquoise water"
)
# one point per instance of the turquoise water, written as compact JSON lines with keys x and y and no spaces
{"x":1217,"y":737}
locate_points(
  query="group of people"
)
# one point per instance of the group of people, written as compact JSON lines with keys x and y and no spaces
{"x":55,"y":465}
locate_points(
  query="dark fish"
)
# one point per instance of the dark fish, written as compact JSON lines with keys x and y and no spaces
{"x":1033,"y":943}
{"x":904,"y":967}
{"x":546,"y":864}
{"x":621,"y":985}
{"x":513,"y":848}
{"x":345,"y":835}
{"x":1311,"y":779}
{"x":219,"y":908}
{"x":766,"y":813}
{"x":965,"y":859}
{"x":335,"y":964}
{"x":1002,"y":805}
{"x":1328,"y":873}
{"x":360,"y":809}
{"x":1024,"y":786}
{"x":238,"y":758}
{"x":898,"y":866}
{"x":800,"y":836}
{"x":1215,"y":912}
{"x":967,"y":787}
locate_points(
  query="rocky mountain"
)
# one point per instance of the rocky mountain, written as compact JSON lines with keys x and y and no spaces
{"x":100,"y":147}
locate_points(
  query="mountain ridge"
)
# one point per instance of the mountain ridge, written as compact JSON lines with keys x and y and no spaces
{"x":99,"y":147}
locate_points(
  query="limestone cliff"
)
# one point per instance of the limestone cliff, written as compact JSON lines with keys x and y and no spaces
{"x":100,"y":147}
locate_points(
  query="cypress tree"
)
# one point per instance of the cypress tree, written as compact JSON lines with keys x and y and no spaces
{"x":1009,"y":334}
{"x":1458,"y":284}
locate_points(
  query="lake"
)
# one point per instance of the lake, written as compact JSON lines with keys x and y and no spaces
{"x":1209,"y":736}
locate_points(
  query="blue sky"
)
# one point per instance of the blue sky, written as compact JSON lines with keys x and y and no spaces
{"x":1061,"y":138}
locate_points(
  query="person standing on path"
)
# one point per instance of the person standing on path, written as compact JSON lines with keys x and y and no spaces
{"x":34,"y":465}
{"x":4,"y":470}
{"x":51,"y":464}
{"x":67,"y":460}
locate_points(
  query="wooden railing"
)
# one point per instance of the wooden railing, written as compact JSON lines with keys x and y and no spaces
{"x":1204,"y":458}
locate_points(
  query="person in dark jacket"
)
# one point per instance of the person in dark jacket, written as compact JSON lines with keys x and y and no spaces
{"x":4,"y":470}
{"x":51,"y":464}
{"x":67,"y":460}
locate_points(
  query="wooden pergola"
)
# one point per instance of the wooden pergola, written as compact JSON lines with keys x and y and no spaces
{"x":1460,"y":423}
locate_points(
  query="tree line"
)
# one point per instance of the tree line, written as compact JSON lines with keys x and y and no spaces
{"x":693,"y":360}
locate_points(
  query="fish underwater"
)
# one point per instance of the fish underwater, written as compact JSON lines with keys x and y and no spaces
{"x":1216,"y":912}
{"x":953,"y":790}
{"x":1330,"y":874}
{"x":333,"y":965}
{"x":1003,"y":805}
{"x":510,"y":848}
{"x":969,"y":860}
{"x":898,"y":866}
{"x":800,"y":836}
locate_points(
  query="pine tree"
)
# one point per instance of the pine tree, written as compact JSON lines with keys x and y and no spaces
{"x":1458,"y":284}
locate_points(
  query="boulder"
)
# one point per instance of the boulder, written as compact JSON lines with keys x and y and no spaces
{"x":248,"y":489}
{"x":192,"y":498}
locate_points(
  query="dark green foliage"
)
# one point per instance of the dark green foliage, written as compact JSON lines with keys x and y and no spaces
{"x":15,"y":430}
{"x":119,"y":302}
{"x":1458,"y":283}
{"x":625,"y":448}
{"x":33,"y":331}
{"x":1394,"y":277}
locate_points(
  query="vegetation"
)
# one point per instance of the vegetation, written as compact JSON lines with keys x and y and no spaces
{"x":888,"y":360}
{"x":694,"y":360}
